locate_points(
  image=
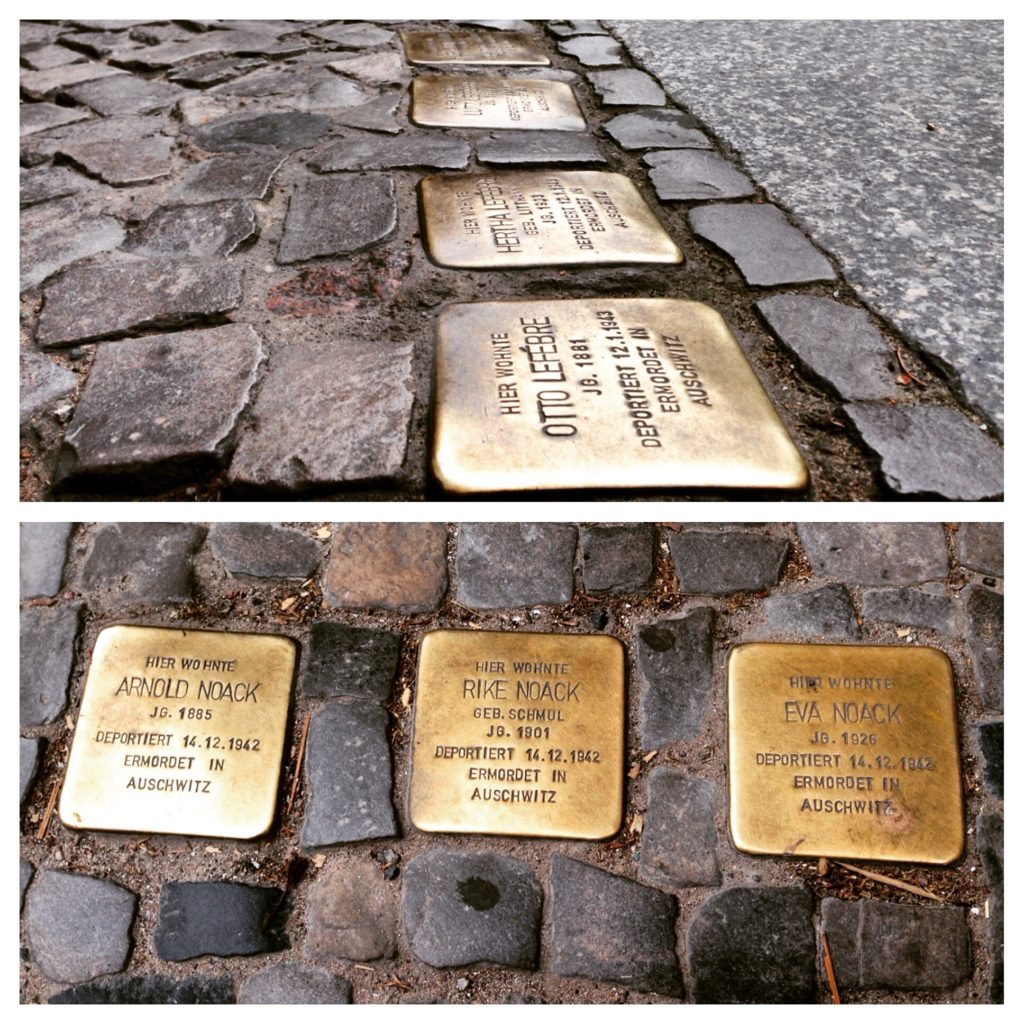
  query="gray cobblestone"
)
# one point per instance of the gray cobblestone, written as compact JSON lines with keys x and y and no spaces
{"x":678,"y":843}
{"x":350,"y":661}
{"x":355,"y":37}
{"x":152,"y":989}
{"x":247,"y":131}
{"x":245,"y":176}
{"x":990,"y":740}
{"x":980,"y":547}
{"x":294,"y":983}
{"x":985,"y":643}
{"x":627,"y":87}
{"x":39,"y":117}
{"x":26,"y":871}
{"x":465,"y":908}
{"x":989,"y":828}
{"x":42,"y":383}
{"x":38,"y":186}
{"x":510,"y":148}
{"x":28,"y":762}
{"x":58,"y":238}
{"x":929,"y":608}
{"x":657,"y":129}
{"x":44,"y":549}
{"x":384,"y":68}
{"x":369,"y":151}
{"x":618,"y":558}
{"x":890,"y":554}
{"x":826,"y":612}
{"x":126,"y":94}
{"x":137,"y":162}
{"x":723,"y":563}
{"x":593,"y":51}
{"x":208,"y":229}
{"x":695,"y":174}
{"x":262,"y":549}
{"x":47,"y":652}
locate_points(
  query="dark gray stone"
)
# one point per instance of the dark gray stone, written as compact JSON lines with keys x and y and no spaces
{"x":612,"y":929}
{"x":77,"y":926}
{"x":348,"y":776}
{"x":925,"y":608}
{"x":351,"y":661}
{"x":207,"y":229}
{"x":539,"y":147}
{"x":767,"y":249}
{"x":54,"y":235}
{"x":42,"y":383}
{"x":930,"y":450}
{"x":896,"y":946}
{"x":152,"y":989}
{"x":754,"y":946}
{"x":126,"y":94}
{"x":215,"y":72}
{"x":695,"y":174}
{"x":351,"y":914}
{"x":39,"y":117}
{"x":507,"y":565}
{"x":143,"y":563}
{"x":354,"y":37}
{"x":98,"y":44}
{"x":100,"y":299}
{"x":47,"y":654}
{"x":989,"y":829}
{"x":594,"y":51}
{"x":893,"y":554}
{"x":314,"y":430}
{"x":985,"y":643}
{"x":824,"y":611}
{"x":990,"y":740}
{"x":236,"y":39}
{"x":26,"y":872}
{"x":51,"y":56}
{"x":335,"y":216}
{"x":618,"y":558}
{"x":378,"y":115}
{"x":723,"y":563}
{"x":678,"y":843}
{"x":37,"y":84}
{"x":246,"y":176}
{"x":466,"y":908}
{"x":52,"y":183}
{"x":44,"y":147}
{"x":220,"y":918}
{"x":134,"y":162}
{"x":675,"y":661}
{"x":114,"y":431}
{"x":384,"y":68}
{"x":287,"y":130}
{"x":836,"y":343}
{"x":627,"y":87}
{"x":657,"y":129}
{"x":294,"y":983}
{"x":263,"y":549}
{"x":44,"y":547}
{"x":32,"y":33}
{"x":331,"y":94}
{"x":980,"y":547}
{"x":370,"y":152}
{"x":28,"y":762}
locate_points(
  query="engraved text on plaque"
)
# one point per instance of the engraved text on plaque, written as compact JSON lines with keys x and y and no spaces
{"x":472,"y":46}
{"x":471,"y":101}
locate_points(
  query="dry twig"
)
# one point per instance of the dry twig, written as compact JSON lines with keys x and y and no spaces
{"x":886,"y":880}
{"x":45,"y":823}
{"x":831,"y":974}
{"x":298,"y":764}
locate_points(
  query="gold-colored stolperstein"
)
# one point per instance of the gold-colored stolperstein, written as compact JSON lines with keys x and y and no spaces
{"x":180,"y":731}
{"x":844,"y":751}
{"x":472,"y":46}
{"x":472,"y":101}
{"x":519,"y":734}
{"x":484,"y":221}
{"x":601,"y":393}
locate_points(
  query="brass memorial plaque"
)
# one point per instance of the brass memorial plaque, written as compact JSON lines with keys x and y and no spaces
{"x":467,"y":101}
{"x":844,"y":751}
{"x":519,"y":734}
{"x":472,"y":46}
{"x":180,"y":731}
{"x":574,"y":393}
{"x":486,"y":221}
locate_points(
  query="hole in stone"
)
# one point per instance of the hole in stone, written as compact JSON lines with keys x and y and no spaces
{"x":478,"y":893}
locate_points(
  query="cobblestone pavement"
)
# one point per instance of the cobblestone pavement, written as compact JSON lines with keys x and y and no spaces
{"x":379,"y":914}
{"x":225,"y":294}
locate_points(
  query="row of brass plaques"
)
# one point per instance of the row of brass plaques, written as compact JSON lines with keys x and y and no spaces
{"x":834,"y":750}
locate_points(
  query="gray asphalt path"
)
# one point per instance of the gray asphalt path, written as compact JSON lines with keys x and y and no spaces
{"x":885,"y":141}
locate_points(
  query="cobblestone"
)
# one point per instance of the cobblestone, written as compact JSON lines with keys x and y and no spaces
{"x":510,"y":149}
{"x":46,"y":246}
{"x":126,"y":94}
{"x":753,"y":946}
{"x":209,"y":229}
{"x":121,"y":164}
{"x":618,"y":559}
{"x":153,"y":989}
{"x":990,"y":740}
{"x":766,"y":248}
{"x":612,"y":929}
{"x":350,"y":661}
{"x":28,"y":762}
{"x":985,"y":643}
{"x":78,"y":927}
{"x":990,"y":849}
{"x":980,"y":547}
{"x":890,"y":554}
{"x":262,"y":549}
{"x":695,"y":174}
{"x":42,"y":383}
{"x":368,"y":151}
{"x":246,"y":176}
{"x":887,"y":945}
{"x":294,"y":983}
{"x":723,"y":563}
{"x":52,"y":183}
{"x":26,"y":872}
{"x":352,"y":916}
{"x":627,"y":87}
{"x":348,"y":773}
{"x":670,"y":855}
{"x":593,"y":51}
{"x":43,"y":551}
{"x":38,"y":117}
{"x":286,"y":131}
{"x":399,"y":567}
{"x":383,"y":68}
{"x":675,"y":661}
{"x":507,"y":565}
{"x":929,"y":608}
{"x":221,"y":918}
{"x":355,"y":37}
{"x":825,"y":612}
{"x":460,"y":909}
{"x":47,"y":650}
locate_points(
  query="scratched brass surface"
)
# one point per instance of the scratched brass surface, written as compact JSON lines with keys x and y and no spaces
{"x":844,"y":751}
{"x":472,"y":46}
{"x":544,"y":218}
{"x":533,"y":396}
{"x":541,"y":714}
{"x":472,"y":101}
{"x":221,"y":754}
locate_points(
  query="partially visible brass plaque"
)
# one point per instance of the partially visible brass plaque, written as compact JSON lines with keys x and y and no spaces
{"x":540,"y":218}
{"x":519,"y":734}
{"x":586,"y":393}
{"x":471,"y":101}
{"x":181,"y":731}
{"x":472,"y":46}
{"x":844,"y":751}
